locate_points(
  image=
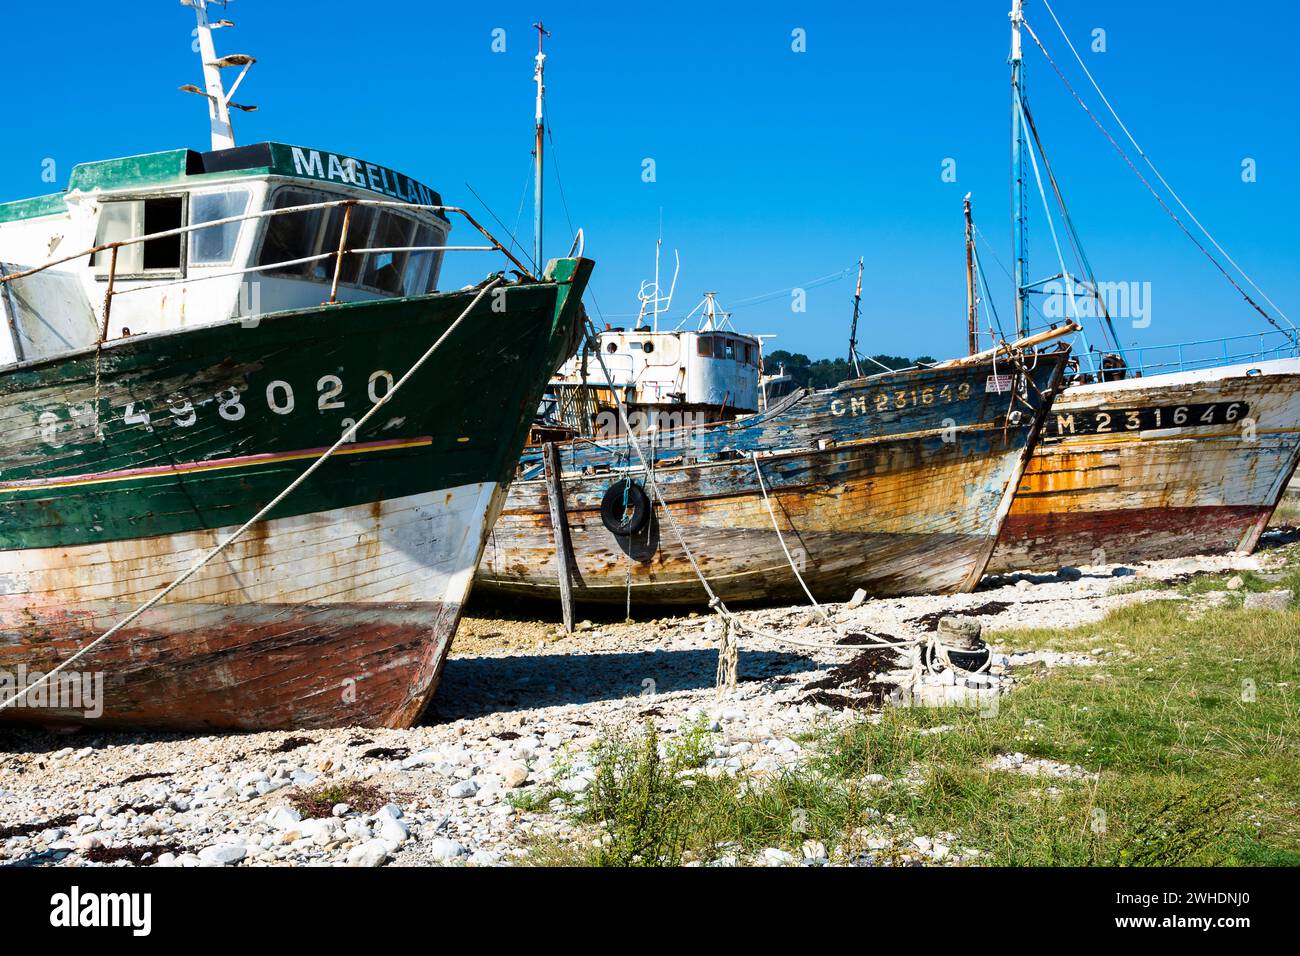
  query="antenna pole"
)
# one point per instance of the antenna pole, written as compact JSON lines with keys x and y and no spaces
{"x":1018,"y":147}
{"x":654,"y":312}
{"x":539,"y":69}
{"x":972,"y":318}
{"x":853,"y":329}
{"x":223,"y":135}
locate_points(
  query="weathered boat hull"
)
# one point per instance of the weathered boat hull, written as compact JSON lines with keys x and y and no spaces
{"x":1106,"y":485}
{"x":338,"y":609}
{"x":879,"y":484}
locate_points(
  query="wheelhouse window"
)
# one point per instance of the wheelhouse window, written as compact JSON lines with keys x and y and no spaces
{"x":384,"y":268}
{"x":395,"y":269}
{"x":128,"y":218}
{"x":215,"y":245}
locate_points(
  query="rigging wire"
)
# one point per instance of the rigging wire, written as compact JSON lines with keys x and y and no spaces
{"x":559,"y":180}
{"x":523,"y":252}
{"x":1076,"y":244}
{"x":1051,"y":226}
{"x":979,"y":234}
{"x":1160,"y":199}
{"x":1162,"y":179}
{"x":988,"y":297}
{"x":769,"y":296}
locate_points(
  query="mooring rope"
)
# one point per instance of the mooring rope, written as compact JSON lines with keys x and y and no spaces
{"x":348,"y":435}
{"x":781,"y":538}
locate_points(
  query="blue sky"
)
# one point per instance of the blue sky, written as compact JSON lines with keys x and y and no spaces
{"x":773,"y":168}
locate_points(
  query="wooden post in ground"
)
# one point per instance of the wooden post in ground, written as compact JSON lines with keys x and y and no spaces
{"x":560,"y":530}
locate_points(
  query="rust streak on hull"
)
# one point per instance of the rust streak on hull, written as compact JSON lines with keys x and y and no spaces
{"x":1103,"y":498}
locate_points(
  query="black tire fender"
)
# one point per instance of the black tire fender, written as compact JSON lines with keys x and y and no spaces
{"x":625,"y":508}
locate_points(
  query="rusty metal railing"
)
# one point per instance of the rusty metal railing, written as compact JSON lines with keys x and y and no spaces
{"x":337,"y":255}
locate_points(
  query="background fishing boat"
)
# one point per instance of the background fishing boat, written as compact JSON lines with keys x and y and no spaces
{"x":895,"y":483}
{"x":1147,"y":453}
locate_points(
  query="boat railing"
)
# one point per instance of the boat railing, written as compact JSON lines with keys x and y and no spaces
{"x":1207,"y":353}
{"x":338,"y":254}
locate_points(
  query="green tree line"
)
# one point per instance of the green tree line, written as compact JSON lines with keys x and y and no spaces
{"x":823,"y":373}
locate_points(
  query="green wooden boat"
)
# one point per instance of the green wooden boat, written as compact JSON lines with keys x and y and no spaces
{"x":138,"y":434}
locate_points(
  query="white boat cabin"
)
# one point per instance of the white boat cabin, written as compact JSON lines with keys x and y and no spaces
{"x":212,"y":274}
{"x":696,"y":369}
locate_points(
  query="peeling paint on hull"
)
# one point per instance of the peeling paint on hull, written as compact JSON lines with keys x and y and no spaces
{"x":889,"y":505}
{"x":263,"y":641}
{"x":1148,"y":493}
{"x":252,"y":667}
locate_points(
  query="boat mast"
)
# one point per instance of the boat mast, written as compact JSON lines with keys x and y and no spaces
{"x":539,"y":69}
{"x":853,"y":329}
{"x":1018,"y":147}
{"x":219,"y":105}
{"x":972,"y":318}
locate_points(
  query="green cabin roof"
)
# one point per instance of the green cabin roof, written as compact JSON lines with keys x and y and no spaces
{"x":178,"y":166}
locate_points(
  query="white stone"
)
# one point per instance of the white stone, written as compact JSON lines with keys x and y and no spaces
{"x":318,"y":831}
{"x":283,"y":818}
{"x":390,"y":829}
{"x":421,"y":759}
{"x":223,"y":854}
{"x":443,"y":848}
{"x":512,"y":773}
{"x":462,"y":790}
{"x":813,"y":850}
{"x":371,"y":853}
{"x":1268,"y":601}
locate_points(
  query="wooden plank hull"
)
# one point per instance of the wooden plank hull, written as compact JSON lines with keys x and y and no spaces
{"x":895,"y":500}
{"x":335,"y":618}
{"x":1107,"y":485}
{"x":337,"y":609}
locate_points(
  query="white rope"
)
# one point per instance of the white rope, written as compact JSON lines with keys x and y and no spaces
{"x":1160,"y":177}
{"x":348,"y":435}
{"x":780,"y":537}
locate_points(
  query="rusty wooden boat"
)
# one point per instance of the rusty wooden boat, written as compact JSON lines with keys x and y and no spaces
{"x":1185,"y":453}
{"x":895,"y":483}
{"x":1158,"y":467}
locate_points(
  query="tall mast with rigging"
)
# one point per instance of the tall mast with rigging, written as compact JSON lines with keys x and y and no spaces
{"x":972,"y":316}
{"x":219,"y":104}
{"x":853,"y":329}
{"x":1020,"y":249}
{"x":540,"y":126}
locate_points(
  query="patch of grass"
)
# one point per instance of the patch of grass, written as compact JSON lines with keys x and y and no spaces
{"x":1185,"y":736}
{"x":537,"y":799}
{"x":320,"y":801}
{"x":645,"y":796}
{"x":1141,"y":584}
